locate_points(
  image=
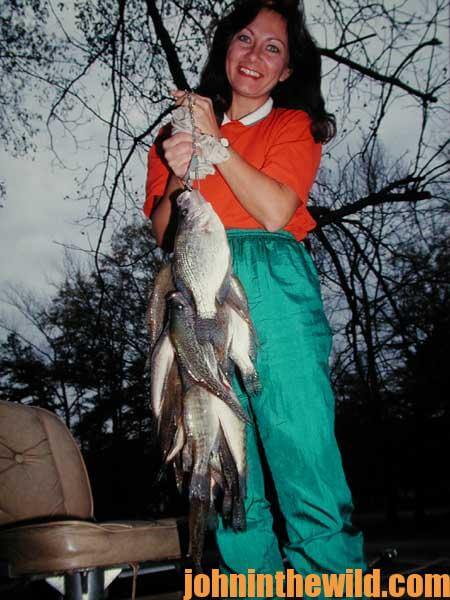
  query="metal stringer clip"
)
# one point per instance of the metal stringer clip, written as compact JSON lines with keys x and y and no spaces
{"x":193,"y":164}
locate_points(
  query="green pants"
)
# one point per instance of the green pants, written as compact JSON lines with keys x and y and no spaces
{"x":294,"y":419}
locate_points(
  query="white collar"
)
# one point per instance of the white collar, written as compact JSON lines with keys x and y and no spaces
{"x":254,"y":116}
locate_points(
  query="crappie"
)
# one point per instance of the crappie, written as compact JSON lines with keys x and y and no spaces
{"x":156,"y":310}
{"x":201,"y":265}
{"x":162,"y":359}
{"x":217,"y":442}
{"x":198,"y":360}
{"x":202,"y":430}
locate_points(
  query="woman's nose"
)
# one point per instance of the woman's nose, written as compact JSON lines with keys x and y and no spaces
{"x":253,"y":53}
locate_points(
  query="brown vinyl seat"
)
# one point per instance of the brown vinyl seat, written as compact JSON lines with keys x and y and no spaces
{"x":47,"y":524}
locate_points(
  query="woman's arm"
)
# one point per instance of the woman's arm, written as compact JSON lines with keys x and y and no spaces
{"x":177,"y":152}
{"x":162,"y":211}
{"x":268,"y":201}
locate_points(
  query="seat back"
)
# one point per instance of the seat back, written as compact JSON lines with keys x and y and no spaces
{"x":42,"y":472}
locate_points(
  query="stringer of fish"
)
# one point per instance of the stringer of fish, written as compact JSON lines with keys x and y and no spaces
{"x":200,"y":334}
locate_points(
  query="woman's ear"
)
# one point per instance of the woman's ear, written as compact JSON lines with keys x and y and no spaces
{"x":285,"y":74}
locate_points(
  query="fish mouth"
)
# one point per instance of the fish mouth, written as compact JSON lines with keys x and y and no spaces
{"x":190,"y":204}
{"x":183,"y":201}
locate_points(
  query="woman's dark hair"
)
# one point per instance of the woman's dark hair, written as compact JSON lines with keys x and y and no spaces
{"x":302,"y":88}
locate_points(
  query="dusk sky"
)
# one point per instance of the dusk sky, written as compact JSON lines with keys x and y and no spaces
{"x":38,"y":216}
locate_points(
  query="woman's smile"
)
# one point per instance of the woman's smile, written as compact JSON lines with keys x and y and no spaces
{"x":257,"y":60}
{"x":246,"y":72}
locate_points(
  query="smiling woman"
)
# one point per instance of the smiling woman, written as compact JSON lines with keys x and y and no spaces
{"x":260,"y":90}
{"x":257,"y":60}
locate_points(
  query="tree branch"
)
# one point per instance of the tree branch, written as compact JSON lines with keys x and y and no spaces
{"x":169,"y":49}
{"x":324,"y":215}
{"x":379,"y":76}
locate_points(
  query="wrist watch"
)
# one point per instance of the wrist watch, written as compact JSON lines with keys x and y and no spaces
{"x":224,"y":141}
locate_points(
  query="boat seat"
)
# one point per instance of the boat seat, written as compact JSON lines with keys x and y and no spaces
{"x":47,"y":525}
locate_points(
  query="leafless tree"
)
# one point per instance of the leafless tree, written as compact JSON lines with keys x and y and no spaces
{"x":108,"y":65}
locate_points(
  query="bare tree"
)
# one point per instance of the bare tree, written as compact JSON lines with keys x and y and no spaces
{"x":108,"y":66}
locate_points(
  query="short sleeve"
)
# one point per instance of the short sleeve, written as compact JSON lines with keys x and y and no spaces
{"x":294,"y":157}
{"x":157,"y":174}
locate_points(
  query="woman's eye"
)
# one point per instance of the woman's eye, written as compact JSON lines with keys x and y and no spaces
{"x":242,"y":37}
{"x":272,"y":48}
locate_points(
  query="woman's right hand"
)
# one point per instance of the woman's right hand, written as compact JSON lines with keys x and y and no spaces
{"x":178,"y":152}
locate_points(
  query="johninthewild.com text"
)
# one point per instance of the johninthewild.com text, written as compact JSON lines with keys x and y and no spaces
{"x":354,"y":583}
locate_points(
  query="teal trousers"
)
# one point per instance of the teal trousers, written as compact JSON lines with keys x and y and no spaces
{"x":293,"y":419}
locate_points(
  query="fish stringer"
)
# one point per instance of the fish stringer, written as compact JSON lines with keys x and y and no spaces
{"x":193,"y":163}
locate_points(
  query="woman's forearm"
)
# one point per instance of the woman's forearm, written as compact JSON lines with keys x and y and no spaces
{"x":269,"y":202}
{"x":162,"y":211}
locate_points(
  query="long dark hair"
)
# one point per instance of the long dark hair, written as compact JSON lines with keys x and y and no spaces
{"x":301,"y":90}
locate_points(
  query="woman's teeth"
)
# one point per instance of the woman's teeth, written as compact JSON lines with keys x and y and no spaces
{"x":249,"y":72}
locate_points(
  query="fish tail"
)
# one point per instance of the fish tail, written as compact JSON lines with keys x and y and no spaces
{"x":238,"y":520}
{"x":198,"y":517}
{"x":227,"y":505}
{"x":252,"y":383}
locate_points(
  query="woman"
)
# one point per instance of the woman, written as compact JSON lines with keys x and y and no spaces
{"x":262,"y":84}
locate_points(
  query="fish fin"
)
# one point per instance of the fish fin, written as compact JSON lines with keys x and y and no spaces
{"x":230,"y":369}
{"x":157,"y":400}
{"x":209,"y":330}
{"x":233,"y":510}
{"x":178,"y":444}
{"x":212,"y":521}
{"x":238,"y":520}
{"x":237,"y":299}
{"x":251,"y":383}
{"x":225,"y":287}
{"x":232,"y":401}
{"x":180,"y":286}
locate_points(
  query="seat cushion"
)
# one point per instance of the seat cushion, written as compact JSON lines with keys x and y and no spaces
{"x":71,"y":545}
{"x":42,"y":473}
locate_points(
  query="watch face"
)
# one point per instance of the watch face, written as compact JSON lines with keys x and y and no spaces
{"x":225,"y":143}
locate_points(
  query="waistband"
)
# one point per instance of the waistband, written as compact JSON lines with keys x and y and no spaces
{"x":261,"y":233}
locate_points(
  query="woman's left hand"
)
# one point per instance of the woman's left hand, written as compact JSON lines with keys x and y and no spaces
{"x":204,"y":117}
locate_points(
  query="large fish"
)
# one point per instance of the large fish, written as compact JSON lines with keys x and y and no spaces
{"x":201,"y":264}
{"x":197,"y":360}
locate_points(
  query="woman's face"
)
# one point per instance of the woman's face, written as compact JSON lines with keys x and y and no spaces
{"x":258,"y":57}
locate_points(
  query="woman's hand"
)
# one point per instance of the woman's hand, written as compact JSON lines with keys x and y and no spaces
{"x":204,"y":117}
{"x":178,"y":152}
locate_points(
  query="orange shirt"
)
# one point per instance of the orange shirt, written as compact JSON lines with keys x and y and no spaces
{"x":279,"y":145}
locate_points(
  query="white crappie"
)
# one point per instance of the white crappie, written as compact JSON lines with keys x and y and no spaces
{"x":201,"y":263}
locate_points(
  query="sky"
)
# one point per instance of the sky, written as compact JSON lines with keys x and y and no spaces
{"x":38,"y":217}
